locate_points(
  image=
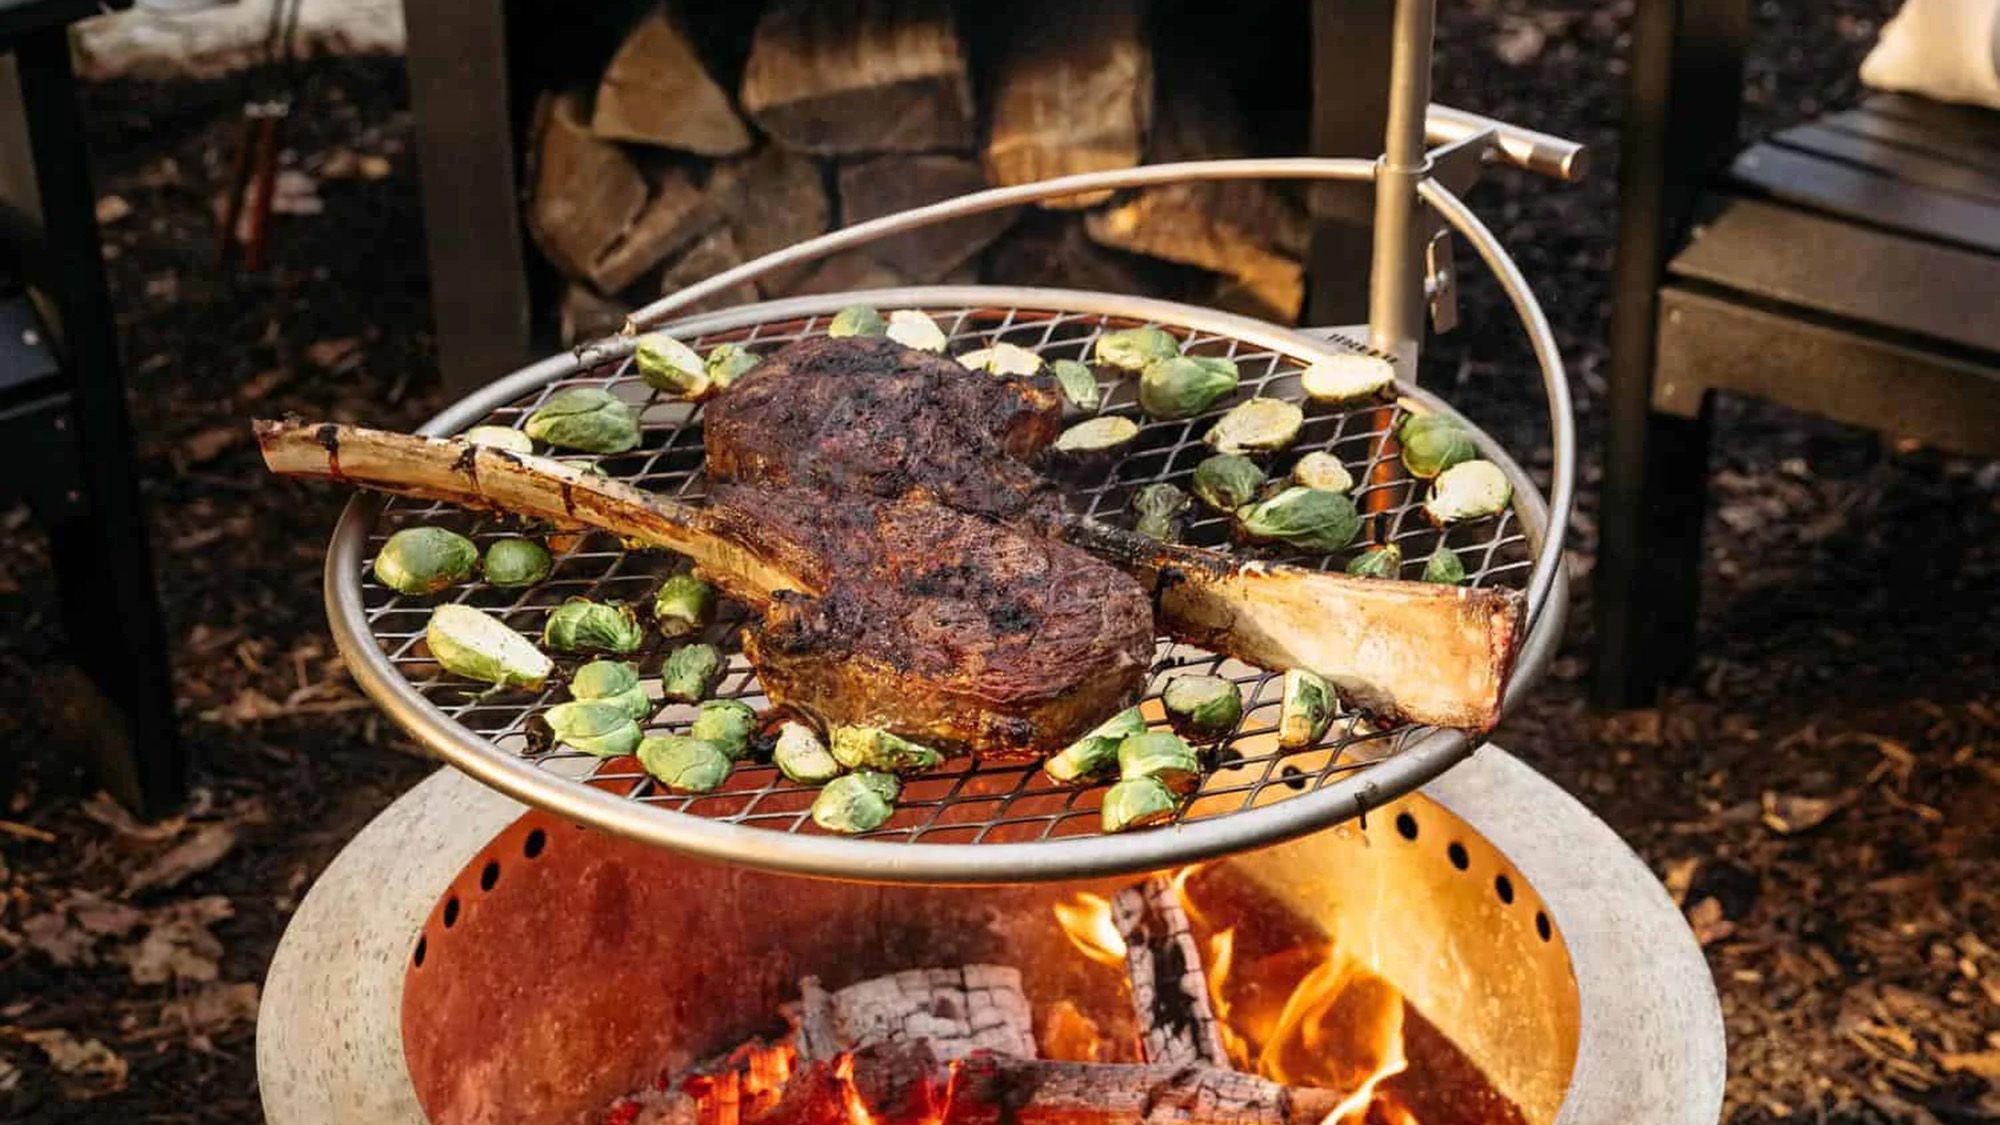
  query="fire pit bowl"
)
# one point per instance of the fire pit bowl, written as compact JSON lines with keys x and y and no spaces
{"x":466,"y":960}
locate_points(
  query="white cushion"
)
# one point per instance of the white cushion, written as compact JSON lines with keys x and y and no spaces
{"x":1943,"y":49}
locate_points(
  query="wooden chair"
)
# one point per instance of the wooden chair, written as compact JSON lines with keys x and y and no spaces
{"x":1849,"y":267}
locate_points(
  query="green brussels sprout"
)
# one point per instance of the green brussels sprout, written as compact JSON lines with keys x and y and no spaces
{"x":668,"y":365}
{"x":1097,"y":435}
{"x":1432,"y":444}
{"x":587,"y":418}
{"x":872,"y":748}
{"x":684,"y":764}
{"x":424,"y":560}
{"x":1078,"y":384}
{"x":1096,"y":753}
{"x":913,"y":329}
{"x":728,"y":723}
{"x":1203,"y":707}
{"x":582,"y":625}
{"x":1159,"y":508}
{"x":857,"y":320}
{"x":1308,"y":518}
{"x":727,"y":363}
{"x":1305,"y":711}
{"x":470,"y":643}
{"x":1347,"y":378}
{"x":851,"y":804}
{"x":1322,"y":470}
{"x":1385,"y":561}
{"x":1466,"y":491}
{"x":887,"y":784}
{"x":683,"y":605}
{"x":1136,"y":803}
{"x":1160,"y":755}
{"x":514,"y":561}
{"x":1133,"y":348}
{"x":615,"y":682}
{"x":1257,"y":425}
{"x":1186,"y":385}
{"x":594,"y":726}
{"x":1444,"y":567}
{"x":801,"y":756}
{"x":690,"y":672}
{"x":1227,"y":481}
{"x":1003,"y":359}
{"x":500,"y":437}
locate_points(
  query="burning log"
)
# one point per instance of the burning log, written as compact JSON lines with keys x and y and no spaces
{"x":957,"y":1011}
{"x":872,"y":76}
{"x":657,"y":91}
{"x":1177,"y":1024}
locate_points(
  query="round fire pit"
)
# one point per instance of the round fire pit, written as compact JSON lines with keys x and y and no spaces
{"x":465,"y":960}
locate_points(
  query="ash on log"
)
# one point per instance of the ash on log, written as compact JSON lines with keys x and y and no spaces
{"x":1072,"y":92}
{"x":657,"y":91}
{"x":885,"y":184}
{"x":956,"y":1010}
{"x":1169,"y":987}
{"x":864,"y":76}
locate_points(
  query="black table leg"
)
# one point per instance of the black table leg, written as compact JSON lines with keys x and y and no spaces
{"x":104,"y":564}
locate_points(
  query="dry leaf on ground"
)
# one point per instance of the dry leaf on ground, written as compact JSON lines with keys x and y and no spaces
{"x":214,"y":1008}
{"x":178,"y":946}
{"x":207,"y":847}
{"x":89,"y":1067}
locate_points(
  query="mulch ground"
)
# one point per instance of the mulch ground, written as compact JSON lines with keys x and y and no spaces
{"x":1819,"y":795}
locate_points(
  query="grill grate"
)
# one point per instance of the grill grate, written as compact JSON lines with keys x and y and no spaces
{"x":962,"y":802}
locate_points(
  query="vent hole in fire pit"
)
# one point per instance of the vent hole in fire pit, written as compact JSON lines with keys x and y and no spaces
{"x":1457,"y":854}
{"x":1542,"y":925}
{"x":451,"y":912}
{"x":489,"y":876}
{"x":1504,"y":887}
{"x":1406,"y":826}
{"x":417,"y":958}
{"x":537,"y":840}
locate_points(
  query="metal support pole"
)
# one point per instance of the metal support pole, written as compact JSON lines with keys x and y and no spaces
{"x":1395,"y":275}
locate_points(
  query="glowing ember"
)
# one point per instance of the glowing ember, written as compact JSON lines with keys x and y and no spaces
{"x":1087,"y":920}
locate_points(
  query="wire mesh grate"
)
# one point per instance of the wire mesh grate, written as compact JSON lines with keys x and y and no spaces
{"x":965,"y":801}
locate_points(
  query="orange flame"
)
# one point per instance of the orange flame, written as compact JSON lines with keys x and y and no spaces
{"x":1222,"y":956}
{"x":850,"y":1098}
{"x":1086,"y":919}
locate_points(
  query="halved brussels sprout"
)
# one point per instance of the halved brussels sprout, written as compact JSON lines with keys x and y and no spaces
{"x":684,"y":764}
{"x":615,"y":682}
{"x":729,"y":362}
{"x":1444,"y":567}
{"x":1078,"y":383}
{"x":1322,"y":470}
{"x":1160,"y":755}
{"x":588,"y":418}
{"x":1306,"y":710}
{"x":1466,"y":491}
{"x":852,"y":804}
{"x":1227,"y":481}
{"x":582,"y":625}
{"x":872,"y":748}
{"x":1097,"y":435}
{"x":594,"y":726}
{"x":1185,"y":385}
{"x":1202,"y":707}
{"x":802,"y":756}
{"x":683,"y":605}
{"x":500,"y":437}
{"x":1258,"y":425}
{"x":728,"y":723}
{"x":1311,"y":519}
{"x":913,"y":329}
{"x":1131,"y":349}
{"x":1347,"y":378}
{"x":1003,"y":359}
{"x":1159,"y":507}
{"x":1432,"y":444}
{"x":470,"y":643}
{"x":514,"y":561}
{"x":1136,"y":803}
{"x":857,"y":320}
{"x":690,"y":672}
{"x":424,"y":560}
{"x":668,"y":365}
{"x":1385,"y":561}
{"x":1095,"y":754}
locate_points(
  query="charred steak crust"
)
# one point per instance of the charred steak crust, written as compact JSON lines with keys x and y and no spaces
{"x":870,"y":417}
{"x":942,"y":626}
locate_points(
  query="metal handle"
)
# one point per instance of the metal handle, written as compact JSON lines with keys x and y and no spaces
{"x":1542,"y":153}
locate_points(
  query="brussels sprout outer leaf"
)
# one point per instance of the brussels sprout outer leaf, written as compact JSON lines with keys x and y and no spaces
{"x":803,"y":757}
{"x":582,"y":625}
{"x":1444,"y":567}
{"x":1159,"y":507}
{"x":684,"y":764}
{"x":1136,"y":803}
{"x":668,"y":365}
{"x":1202,"y":706}
{"x":727,"y":724}
{"x":1078,"y":383}
{"x":1161,"y":755}
{"x":1320,"y":469}
{"x":683,"y":604}
{"x":424,"y":560}
{"x":913,"y":329}
{"x":872,"y":748}
{"x":1131,"y":349}
{"x":586,"y":418}
{"x":1227,"y":481}
{"x":727,"y":363}
{"x":1308,"y":707}
{"x":514,"y":561}
{"x":500,"y":437}
{"x":1468,"y":490}
{"x":1385,"y":561}
{"x":1097,"y":434}
{"x":851,"y":804}
{"x":689,"y":672}
{"x":1308,"y":518}
{"x":470,"y":643}
{"x":1184,"y":386}
{"x":857,"y":320}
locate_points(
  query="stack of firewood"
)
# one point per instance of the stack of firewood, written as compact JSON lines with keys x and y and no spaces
{"x":687,"y":158}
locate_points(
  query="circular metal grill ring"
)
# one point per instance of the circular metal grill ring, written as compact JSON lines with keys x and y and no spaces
{"x":1360,"y":770}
